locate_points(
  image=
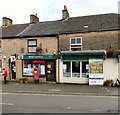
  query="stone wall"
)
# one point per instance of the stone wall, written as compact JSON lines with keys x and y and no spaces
{"x":92,"y":40}
{"x":13,"y":46}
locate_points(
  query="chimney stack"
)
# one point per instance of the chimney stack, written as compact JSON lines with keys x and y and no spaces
{"x":6,"y":21}
{"x":34,"y":19}
{"x":65,"y":13}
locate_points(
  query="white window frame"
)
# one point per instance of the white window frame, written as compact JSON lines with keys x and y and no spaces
{"x":32,"y":47}
{"x":71,"y":72}
{"x":76,"y":41}
{"x":76,"y":45}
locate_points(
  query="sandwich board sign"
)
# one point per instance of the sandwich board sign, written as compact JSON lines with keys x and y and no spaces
{"x":96,"y":72}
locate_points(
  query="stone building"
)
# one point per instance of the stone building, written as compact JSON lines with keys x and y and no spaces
{"x":55,"y":45}
{"x":35,"y":49}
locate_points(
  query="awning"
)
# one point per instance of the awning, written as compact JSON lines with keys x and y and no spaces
{"x":83,"y":55}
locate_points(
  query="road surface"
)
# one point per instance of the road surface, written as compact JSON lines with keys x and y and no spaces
{"x":41,"y":103}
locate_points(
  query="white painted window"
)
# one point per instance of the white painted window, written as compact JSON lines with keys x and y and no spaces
{"x":32,"y":45}
{"x":76,"y":41}
{"x":76,"y":44}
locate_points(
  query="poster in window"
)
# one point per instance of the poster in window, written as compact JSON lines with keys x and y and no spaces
{"x":42,"y":69}
{"x":64,"y":66}
{"x":29,"y":65}
{"x":48,"y":66}
{"x":27,"y":71}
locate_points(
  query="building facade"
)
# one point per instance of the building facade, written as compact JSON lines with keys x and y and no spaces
{"x":62,"y":49}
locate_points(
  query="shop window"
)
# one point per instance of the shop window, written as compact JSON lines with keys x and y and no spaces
{"x":85,"y":69}
{"x":71,"y":69}
{"x":76,"y":69}
{"x":32,"y":45}
{"x":67,"y":69}
{"x":76,"y":44}
{"x":29,"y":65}
{"x":28,"y":68}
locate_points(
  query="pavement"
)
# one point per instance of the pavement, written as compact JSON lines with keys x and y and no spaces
{"x":59,"y":89}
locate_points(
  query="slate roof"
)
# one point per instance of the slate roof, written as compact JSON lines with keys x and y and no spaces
{"x":13,"y":30}
{"x":90,"y":23}
{"x":93,"y":23}
{"x":42,"y":29}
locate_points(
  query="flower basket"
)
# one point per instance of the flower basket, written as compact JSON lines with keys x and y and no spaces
{"x":23,"y":80}
{"x":108,"y":82}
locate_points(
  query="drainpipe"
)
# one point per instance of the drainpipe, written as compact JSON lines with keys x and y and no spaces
{"x":58,"y":57}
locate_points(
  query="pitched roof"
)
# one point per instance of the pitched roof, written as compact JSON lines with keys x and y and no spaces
{"x":90,"y":23}
{"x":13,"y":30}
{"x":75,"y":24}
{"x":42,"y":29}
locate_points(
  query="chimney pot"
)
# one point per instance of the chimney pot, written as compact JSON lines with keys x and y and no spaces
{"x":65,"y":8}
{"x":65,"y":13}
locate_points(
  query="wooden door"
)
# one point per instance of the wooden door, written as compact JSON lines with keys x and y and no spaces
{"x":50,"y":71}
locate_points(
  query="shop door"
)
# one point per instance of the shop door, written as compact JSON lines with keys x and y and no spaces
{"x":50,"y":71}
{"x":12,"y":69}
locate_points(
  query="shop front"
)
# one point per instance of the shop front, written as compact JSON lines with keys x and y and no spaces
{"x":76,"y":65}
{"x":45,"y":63}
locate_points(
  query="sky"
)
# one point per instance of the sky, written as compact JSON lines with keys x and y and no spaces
{"x":48,"y":10}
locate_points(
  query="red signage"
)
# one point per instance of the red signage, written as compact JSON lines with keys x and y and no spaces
{"x":38,"y":61}
{"x":20,"y":57}
{"x":12,"y":58}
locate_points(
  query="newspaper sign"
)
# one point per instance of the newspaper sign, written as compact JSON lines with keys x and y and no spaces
{"x":96,"y":72}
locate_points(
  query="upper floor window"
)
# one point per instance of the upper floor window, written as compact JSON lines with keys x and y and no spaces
{"x":32,"y":45}
{"x":76,"y":44}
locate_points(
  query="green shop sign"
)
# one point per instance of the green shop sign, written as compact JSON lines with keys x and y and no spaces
{"x":35,"y":56}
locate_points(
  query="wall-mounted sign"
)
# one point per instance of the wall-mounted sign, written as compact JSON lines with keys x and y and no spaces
{"x":12,"y":59}
{"x":36,"y":57}
{"x":96,"y":72}
{"x":20,"y":56}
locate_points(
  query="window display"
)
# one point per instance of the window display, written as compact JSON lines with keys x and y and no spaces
{"x":85,"y":69}
{"x":76,"y":69}
{"x":28,"y":68}
{"x":27,"y":71}
{"x":66,"y":69}
{"x":29,"y":65}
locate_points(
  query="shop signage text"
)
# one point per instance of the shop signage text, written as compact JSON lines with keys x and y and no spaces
{"x":37,"y":56}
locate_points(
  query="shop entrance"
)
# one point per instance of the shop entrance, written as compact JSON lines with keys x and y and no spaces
{"x":12,"y":69}
{"x":50,"y":71}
